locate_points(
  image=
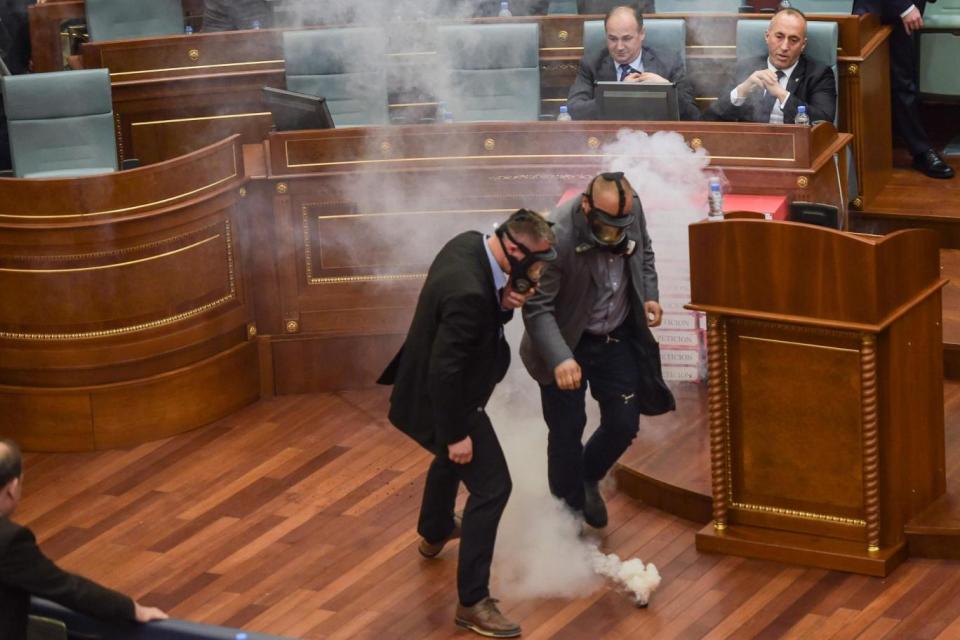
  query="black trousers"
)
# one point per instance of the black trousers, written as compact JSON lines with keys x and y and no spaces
{"x":487,"y":479}
{"x":905,"y":87}
{"x":609,"y":368}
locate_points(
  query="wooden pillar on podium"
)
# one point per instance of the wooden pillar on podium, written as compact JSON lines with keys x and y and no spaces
{"x":825,"y":390}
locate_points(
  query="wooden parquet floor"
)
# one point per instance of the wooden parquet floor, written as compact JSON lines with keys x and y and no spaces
{"x":297,"y":515}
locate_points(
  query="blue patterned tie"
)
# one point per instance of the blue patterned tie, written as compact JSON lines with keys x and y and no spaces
{"x":625,"y":70}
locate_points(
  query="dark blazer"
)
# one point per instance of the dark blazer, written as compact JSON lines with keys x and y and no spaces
{"x":455,"y":352}
{"x":889,"y":10}
{"x":234,"y":15}
{"x":599,"y":67}
{"x":25,"y":571}
{"x":811,"y":84}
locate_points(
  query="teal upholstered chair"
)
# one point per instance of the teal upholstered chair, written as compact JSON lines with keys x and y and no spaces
{"x":560,"y":7}
{"x":822,"y":6}
{"x":697,"y":6}
{"x":939,"y":52}
{"x":662,"y":35}
{"x":346,"y":66}
{"x":493,"y":70}
{"x":118,"y":19}
{"x":60,"y":124}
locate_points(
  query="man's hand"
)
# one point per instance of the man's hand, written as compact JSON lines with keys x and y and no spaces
{"x":567,"y":375}
{"x":461,"y":452}
{"x":649,"y":76}
{"x":654,"y":313}
{"x":513,"y":300}
{"x":147,"y":614}
{"x":913,"y":21}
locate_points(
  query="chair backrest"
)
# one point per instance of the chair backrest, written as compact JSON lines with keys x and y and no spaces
{"x":60,"y":124}
{"x":821,"y":6}
{"x":698,"y":6}
{"x":41,"y":628}
{"x":568,"y":7}
{"x":493,"y":70}
{"x":346,"y":66}
{"x":662,"y":35}
{"x":821,"y":43}
{"x":118,"y":19}
{"x":944,"y":13}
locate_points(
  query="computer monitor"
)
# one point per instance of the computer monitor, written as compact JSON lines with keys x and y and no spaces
{"x":294,"y":111}
{"x":638,"y":101}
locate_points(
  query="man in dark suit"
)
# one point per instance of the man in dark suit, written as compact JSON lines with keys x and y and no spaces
{"x":626,"y":60}
{"x":25,"y":571}
{"x":906,"y":17}
{"x":770,"y":88}
{"x":454,"y":355}
{"x":235,"y":15}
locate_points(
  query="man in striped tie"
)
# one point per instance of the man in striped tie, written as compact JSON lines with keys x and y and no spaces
{"x":625,"y":59}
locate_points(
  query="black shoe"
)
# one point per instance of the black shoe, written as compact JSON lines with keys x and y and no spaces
{"x":930,"y":163}
{"x":433,"y":549}
{"x":594,"y":510}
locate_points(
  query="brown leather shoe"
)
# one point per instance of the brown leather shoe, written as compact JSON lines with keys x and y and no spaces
{"x":484,"y":618}
{"x":432,"y":549}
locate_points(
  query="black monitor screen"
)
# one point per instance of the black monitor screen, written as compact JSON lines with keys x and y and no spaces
{"x":295,"y":111}
{"x":637,"y":101}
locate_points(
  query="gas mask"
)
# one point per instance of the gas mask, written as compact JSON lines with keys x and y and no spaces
{"x":607,"y":230}
{"x":525,"y":273}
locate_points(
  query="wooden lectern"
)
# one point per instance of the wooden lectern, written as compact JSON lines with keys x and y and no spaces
{"x":825,"y":389}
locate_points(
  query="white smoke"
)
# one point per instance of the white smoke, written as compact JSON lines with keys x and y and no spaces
{"x":541,"y":550}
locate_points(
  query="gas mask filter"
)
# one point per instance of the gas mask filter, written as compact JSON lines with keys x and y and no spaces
{"x":525,"y":273}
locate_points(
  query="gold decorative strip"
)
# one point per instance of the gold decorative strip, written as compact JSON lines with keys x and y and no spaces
{"x":199,"y":66}
{"x":401,"y":54}
{"x":115,"y":264}
{"x":200,"y":118}
{"x":561,"y":48}
{"x":799,"y":344}
{"x":401,"y":105}
{"x":336,"y":216}
{"x":137,"y":207}
{"x":153,"y":324}
{"x":806,"y":515}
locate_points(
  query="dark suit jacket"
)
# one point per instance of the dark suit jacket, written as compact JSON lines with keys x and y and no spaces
{"x":25,"y":571}
{"x":811,"y":84}
{"x":888,"y":10}
{"x":582,"y":103}
{"x":455,"y":352}
{"x":234,"y":15}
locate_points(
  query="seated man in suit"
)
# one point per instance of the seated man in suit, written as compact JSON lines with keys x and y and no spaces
{"x":627,"y":60}
{"x":770,"y":88}
{"x":236,"y":15}
{"x":25,"y":571}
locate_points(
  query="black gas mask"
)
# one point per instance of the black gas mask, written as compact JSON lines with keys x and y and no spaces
{"x":608,"y":230}
{"x":524,"y":274}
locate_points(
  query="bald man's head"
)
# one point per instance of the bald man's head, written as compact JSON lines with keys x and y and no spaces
{"x":11,"y":476}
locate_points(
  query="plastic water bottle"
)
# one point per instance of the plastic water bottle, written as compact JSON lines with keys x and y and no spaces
{"x":784,"y":4}
{"x":715,"y":200}
{"x":447,"y":116}
{"x":188,"y":30}
{"x":505,"y":10}
{"x":563,"y":115}
{"x":802,"y":117}
{"x":255,"y":24}
{"x":441,"y":111}
{"x":240,"y":636}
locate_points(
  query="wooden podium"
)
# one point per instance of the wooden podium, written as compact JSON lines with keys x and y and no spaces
{"x":825,"y":390}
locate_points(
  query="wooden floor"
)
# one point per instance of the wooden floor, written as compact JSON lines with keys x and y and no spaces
{"x":296,"y":516}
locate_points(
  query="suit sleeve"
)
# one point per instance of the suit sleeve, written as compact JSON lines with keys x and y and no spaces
{"x":23,"y":566}
{"x":651,"y":287}
{"x":541,"y":322}
{"x":582,"y":101}
{"x":722,"y":108}
{"x":455,"y":345}
{"x":821,"y":99}
{"x":685,"y":99}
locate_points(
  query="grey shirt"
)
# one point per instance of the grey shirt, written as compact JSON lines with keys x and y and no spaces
{"x":611,"y":306}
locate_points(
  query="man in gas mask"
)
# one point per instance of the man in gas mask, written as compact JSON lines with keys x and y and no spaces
{"x":588,"y":324}
{"x":454,"y":355}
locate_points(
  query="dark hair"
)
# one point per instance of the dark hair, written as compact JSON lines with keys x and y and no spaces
{"x":635,"y":10}
{"x":530,"y":224}
{"x":11,"y":462}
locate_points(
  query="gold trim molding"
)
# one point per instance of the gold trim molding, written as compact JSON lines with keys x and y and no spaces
{"x":153,"y":324}
{"x":793,"y":513}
